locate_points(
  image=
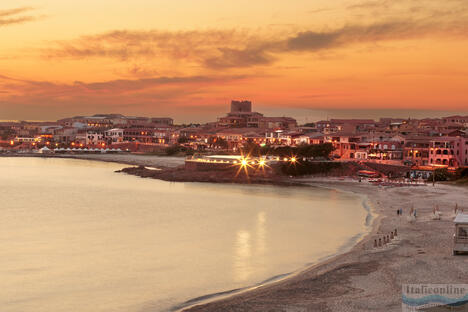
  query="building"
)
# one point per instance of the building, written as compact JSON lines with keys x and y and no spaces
{"x":416,"y":151}
{"x":115,"y":135}
{"x":449,"y":151}
{"x":242,"y":116}
{"x":95,"y":138}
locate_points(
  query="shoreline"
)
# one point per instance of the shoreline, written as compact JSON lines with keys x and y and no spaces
{"x":123,"y":159}
{"x":342,"y":251}
{"x":367,"y":278}
{"x":363,"y":278}
{"x":199,"y":304}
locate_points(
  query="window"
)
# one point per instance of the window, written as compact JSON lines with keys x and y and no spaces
{"x":463,"y":232}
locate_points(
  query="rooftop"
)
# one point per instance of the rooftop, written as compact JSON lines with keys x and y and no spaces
{"x":461,"y":218}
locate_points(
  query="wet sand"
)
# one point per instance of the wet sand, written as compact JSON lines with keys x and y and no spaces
{"x":368,"y":278}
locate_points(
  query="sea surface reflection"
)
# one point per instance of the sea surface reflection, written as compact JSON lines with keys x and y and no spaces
{"x":76,"y":236}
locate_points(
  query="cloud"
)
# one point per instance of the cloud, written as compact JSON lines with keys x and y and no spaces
{"x":14,"y":16}
{"x":239,"y":58}
{"x":123,"y":94}
{"x":156,"y":96}
{"x":127,"y":44}
{"x":352,"y":34}
{"x":218,"y":49}
{"x":9,"y":12}
{"x":113,"y":87}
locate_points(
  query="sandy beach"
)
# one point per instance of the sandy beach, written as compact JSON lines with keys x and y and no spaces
{"x":368,"y":278}
{"x":365,"y":278}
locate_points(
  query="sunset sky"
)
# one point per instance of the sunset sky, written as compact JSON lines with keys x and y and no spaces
{"x":187,"y":59}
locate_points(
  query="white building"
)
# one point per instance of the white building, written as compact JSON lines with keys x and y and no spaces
{"x":94,"y":138}
{"x":114,"y":135}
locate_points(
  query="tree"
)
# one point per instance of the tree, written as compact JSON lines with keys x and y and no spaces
{"x":182,"y":140}
{"x":441,"y":174}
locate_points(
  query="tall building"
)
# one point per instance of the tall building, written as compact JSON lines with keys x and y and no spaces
{"x":241,"y":107}
{"x":242,"y":116}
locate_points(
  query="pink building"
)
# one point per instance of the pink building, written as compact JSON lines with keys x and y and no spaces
{"x":449,"y":151}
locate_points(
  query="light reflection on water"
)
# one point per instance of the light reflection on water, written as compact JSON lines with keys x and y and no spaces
{"x":75,"y":236}
{"x":242,"y":265}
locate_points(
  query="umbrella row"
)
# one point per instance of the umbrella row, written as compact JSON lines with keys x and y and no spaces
{"x":88,"y":150}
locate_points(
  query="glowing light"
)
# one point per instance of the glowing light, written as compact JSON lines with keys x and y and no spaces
{"x":293,"y":159}
{"x":261,"y":163}
{"x":244,"y":162}
{"x":12,"y":142}
{"x":285,"y":159}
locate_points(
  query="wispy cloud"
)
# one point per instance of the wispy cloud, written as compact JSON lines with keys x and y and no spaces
{"x":138,"y":94}
{"x":216,"y":49}
{"x":230,"y":49}
{"x":128,"y":44}
{"x":16,"y":16}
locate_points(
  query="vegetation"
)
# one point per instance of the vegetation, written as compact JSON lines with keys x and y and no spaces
{"x":309,"y":168}
{"x":177,"y":149}
{"x":182,"y":140}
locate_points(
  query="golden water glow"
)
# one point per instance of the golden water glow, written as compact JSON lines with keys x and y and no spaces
{"x":76,"y":236}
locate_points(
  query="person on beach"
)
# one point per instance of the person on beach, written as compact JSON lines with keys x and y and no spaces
{"x":412,"y":214}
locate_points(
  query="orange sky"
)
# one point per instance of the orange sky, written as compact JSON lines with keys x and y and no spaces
{"x":187,"y":59}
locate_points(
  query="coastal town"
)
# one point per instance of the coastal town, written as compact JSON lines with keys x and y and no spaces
{"x":233,"y":156}
{"x":420,"y":145}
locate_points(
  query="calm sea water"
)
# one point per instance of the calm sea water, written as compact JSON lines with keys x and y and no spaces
{"x":75,"y":236}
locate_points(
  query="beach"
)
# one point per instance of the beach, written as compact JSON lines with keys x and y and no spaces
{"x":368,"y":278}
{"x":365,"y":278}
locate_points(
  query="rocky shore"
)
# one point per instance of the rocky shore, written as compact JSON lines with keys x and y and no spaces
{"x":179,"y":174}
